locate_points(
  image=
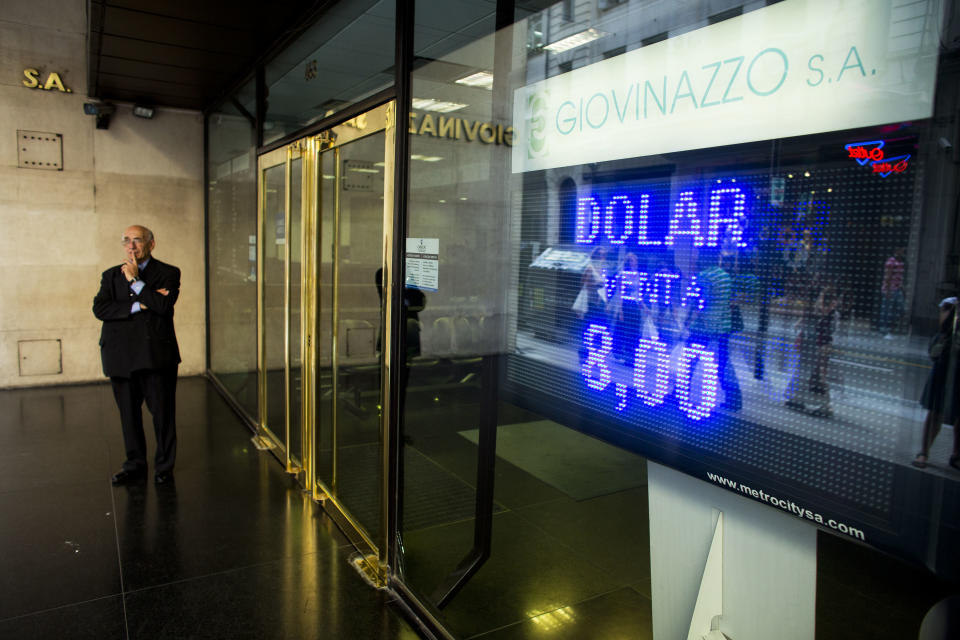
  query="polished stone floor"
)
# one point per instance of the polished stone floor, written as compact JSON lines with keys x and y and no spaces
{"x":231,"y":549}
{"x":234,"y":550}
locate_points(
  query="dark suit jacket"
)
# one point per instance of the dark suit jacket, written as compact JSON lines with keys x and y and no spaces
{"x":143,"y":340}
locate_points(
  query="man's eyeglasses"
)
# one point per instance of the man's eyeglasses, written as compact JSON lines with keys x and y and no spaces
{"x":137,"y":241}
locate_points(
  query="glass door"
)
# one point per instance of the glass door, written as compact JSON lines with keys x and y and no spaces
{"x":280,"y":246}
{"x":353,"y":208}
{"x":326,"y":206}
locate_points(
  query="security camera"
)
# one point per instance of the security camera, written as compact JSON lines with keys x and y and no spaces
{"x":101,"y":110}
{"x":945,"y":144}
{"x":98,"y":108}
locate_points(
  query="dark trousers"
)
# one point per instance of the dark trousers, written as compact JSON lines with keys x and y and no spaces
{"x":159,"y":388}
{"x":762,"y":325}
{"x":720,"y":343}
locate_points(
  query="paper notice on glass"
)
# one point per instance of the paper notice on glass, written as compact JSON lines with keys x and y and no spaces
{"x":423,"y":263}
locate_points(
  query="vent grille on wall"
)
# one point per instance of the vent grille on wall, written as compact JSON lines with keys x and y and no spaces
{"x":40,"y":150}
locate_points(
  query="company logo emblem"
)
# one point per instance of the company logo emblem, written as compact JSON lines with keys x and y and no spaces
{"x":537,"y":108}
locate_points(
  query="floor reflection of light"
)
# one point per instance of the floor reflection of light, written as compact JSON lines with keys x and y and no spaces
{"x":553,"y":620}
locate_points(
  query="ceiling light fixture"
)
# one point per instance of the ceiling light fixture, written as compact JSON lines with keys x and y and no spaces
{"x":576,"y":40}
{"x":441,"y":106}
{"x":482,"y":79}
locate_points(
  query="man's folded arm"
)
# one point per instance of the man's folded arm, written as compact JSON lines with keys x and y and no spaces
{"x":157,"y":302}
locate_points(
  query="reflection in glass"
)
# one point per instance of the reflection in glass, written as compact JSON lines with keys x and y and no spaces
{"x":358,"y":318}
{"x":326,"y":192}
{"x":231,"y":254}
{"x":296,"y":262}
{"x":343,"y":58}
{"x":274,"y":314}
{"x":768,"y":305}
{"x":350,"y":241}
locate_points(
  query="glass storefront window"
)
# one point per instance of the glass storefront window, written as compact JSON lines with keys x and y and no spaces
{"x":231,"y":253}
{"x":715,"y":238}
{"x":344,"y":57}
{"x":719,"y":236}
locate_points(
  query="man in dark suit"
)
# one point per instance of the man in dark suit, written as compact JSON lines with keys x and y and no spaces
{"x":138,"y":347}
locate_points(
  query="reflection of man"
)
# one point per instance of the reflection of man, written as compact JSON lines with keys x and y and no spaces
{"x":138,"y":347}
{"x":892,"y":291}
{"x":711,"y":326}
{"x":414,"y":302}
{"x":768,"y":269}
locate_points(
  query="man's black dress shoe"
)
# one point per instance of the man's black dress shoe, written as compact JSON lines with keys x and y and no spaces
{"x":127,"y":477}
{"x":163,"y":477}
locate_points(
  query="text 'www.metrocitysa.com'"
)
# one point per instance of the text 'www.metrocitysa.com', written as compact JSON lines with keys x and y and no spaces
{"x":787,"y":505}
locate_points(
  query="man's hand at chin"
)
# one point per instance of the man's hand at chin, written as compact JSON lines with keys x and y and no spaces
{"x":129,"y":267}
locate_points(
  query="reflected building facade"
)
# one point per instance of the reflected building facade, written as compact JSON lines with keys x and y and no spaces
{"x":680,"y":269}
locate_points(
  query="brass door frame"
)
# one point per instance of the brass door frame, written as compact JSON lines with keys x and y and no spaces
{"x":308,"y":287}
{"x":379,"y":119}
{"x":267,"y":438}
{"x":309,"y":150}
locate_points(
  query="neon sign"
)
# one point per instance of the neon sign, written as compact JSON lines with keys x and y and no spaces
{"x":624,"y":219}
{"x":872,"y":152}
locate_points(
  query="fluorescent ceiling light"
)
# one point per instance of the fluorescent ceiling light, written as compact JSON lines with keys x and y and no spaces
{"x":423,"y":158}
{"x":576,"y":40}
{"x":483,"y":79}
{"x":364,"y":170}
{"x":442,"y":106}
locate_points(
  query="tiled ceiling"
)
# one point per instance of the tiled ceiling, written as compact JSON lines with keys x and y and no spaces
{"x":187,"y":53}
{"x":182,"y":53}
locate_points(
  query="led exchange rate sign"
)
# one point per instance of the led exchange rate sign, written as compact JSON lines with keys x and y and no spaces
{"x":653,"y":289}
{"x":598,"y":340}
{"x":624,"y":219}
{"x":655,"y":220}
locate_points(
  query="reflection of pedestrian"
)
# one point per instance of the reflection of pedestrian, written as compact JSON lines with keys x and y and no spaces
{"x":414,"y":302}
{"x":627,"y":312}
{"x":768,"y":269}
{"x":942,"y":390}
{"x":593,"y":283}
{"x":797,"y":256}
{"x":808,"y":389}
{"x":665,"y":321}
{"x":892,"y":292}
{"x":711,"y":325}
{"x":825,"y":311}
